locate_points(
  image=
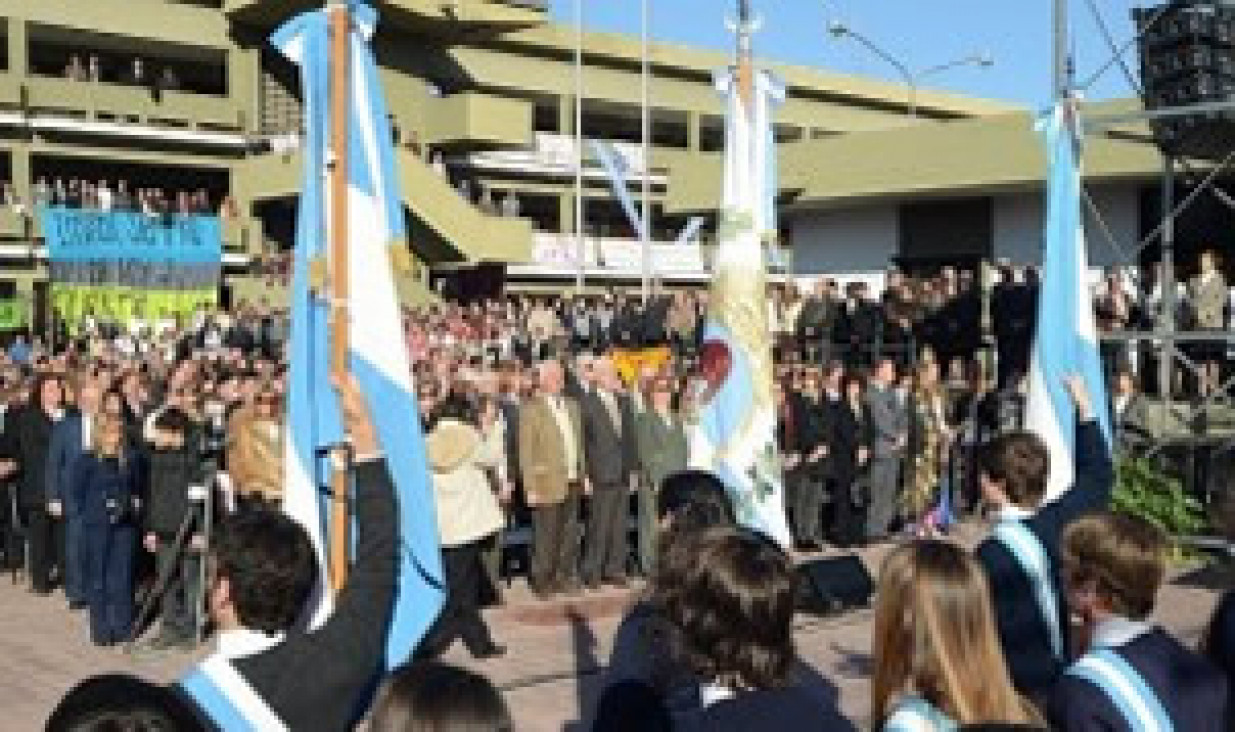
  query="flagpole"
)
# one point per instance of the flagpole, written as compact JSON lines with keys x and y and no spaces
{"x":340,"y":24}
{"x":580,"y":253}
{"x":646,"y":78}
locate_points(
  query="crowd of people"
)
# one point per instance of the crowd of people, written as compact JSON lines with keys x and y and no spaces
{"x":134,"y":73}
{"x":102,"y":195}
{"x":123,"y":447}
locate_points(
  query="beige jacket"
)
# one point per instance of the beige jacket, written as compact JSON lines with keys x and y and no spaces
{"x":467,"y":509}
{"x":542,"y":452}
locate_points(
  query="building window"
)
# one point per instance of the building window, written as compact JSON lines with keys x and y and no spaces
{"x":937,"y":233}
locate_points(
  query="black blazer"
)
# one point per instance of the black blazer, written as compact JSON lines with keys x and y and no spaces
{"x":813,"y":429}
{"x":1192,"y":692}
{"x":1022,"y":631}
{"x":611,"y":453}
{"x":29,"y":443}
{"x":321,"y":680}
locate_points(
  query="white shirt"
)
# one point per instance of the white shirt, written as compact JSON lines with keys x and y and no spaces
{"x":242,"y":642}
{"x":87,"y":431}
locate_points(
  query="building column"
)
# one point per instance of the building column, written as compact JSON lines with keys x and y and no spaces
{"x":566,"y":114}
{"x":19,"y":169}
{"x":17,"y":40}
{"x":566,"y":213}
{"x":694,"y":131}
{"x":244,"y":85}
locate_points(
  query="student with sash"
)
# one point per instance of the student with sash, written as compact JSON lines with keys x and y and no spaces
{"x":1133,"y":675}
{"x":266,"y":674}
{"x":1019,"y":556}
{"x":937,"y":659}
{"x":1219,"y":643}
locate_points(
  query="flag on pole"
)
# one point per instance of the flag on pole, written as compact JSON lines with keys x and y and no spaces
{"x":377,"y":355}
{"x":1066,"y":341}
{"x":735,"y":435}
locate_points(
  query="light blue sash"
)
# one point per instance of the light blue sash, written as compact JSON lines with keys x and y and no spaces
{"x":224,"y":695}
{"x":1029,"y":553}
{"x":1138,"y":704}
{"x":915,"y":714}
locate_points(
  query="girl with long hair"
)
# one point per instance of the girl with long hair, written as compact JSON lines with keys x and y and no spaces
{"x":931,"y":437}
{"x":938,"y":662}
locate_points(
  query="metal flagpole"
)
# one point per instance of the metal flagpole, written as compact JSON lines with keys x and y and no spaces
{"x":1062,"y":80}
{"x":340,"y":27}
{"x":580,"y":252}
{"x":646,"y":234}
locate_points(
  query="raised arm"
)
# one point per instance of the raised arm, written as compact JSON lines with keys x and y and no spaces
{"x":1094,"y":476}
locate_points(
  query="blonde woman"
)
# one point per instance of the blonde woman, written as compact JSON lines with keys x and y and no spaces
{"x":104,"y":488}
{"x":929,"y":449}
{"x":938,"y":663}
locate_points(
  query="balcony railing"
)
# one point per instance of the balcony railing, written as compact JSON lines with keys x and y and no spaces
{"x":97,"y":100}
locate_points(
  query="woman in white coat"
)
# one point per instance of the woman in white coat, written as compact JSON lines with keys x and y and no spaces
{"x":467,"y":514}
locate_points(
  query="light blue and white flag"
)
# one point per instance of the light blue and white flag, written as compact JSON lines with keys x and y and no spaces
{"x":618,"y":173}
{"x":378,"y":357}
{"x":735,"y":435}
{"x":1067,"y":340}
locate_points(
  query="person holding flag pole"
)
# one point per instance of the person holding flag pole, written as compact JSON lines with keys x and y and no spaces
{"x":385,"y":588}
{"x":1040,"y":480}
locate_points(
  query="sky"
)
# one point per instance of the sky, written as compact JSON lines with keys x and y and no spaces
{"x":920,"y":33}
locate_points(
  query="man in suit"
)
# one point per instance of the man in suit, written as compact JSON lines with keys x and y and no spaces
{"x":1021,"y":556}
{"x":609,"y":441}
{"x":816,"y":322}
{"x":265,"y":672}
{"x":890,"y":424}
{"x":551,"y":458}
{"x":70,"y":437}
{"x":1130,"y":414}
{"x":662,"y":451}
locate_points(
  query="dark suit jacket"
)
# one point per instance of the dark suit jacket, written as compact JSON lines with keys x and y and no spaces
{"x":663,"y":448}
{"x":814,"y":429}
{"x":1022,"y":631}
{"x":28,"y":444}
{"x":320,"y":680}
{"x":1192,"y":692}
{"x":610,"y":449}
{"x":66,"y":447}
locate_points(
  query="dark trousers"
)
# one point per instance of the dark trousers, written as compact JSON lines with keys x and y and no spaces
{"x":605,"y":556}
{"x":848,"y":514}
{"x":108,"y":552}
{"x":555,"y":543}
{"x":45,"y":533}
{"x":460,"y":616}
{"x":182,"y":592}
{"x":807,"y":511}
{"x":12,"y":531}
{"x":74,"y":562}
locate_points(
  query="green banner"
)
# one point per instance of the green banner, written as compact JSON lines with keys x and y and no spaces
{"x":14,"y":315}
{"x":124,"y":304}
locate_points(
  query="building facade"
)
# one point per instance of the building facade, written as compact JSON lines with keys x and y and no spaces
{"x":187,"y":95}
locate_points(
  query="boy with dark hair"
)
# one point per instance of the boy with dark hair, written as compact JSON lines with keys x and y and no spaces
{"x":1020,"y":555}
{"x":1132,"y":675}
{"x":173,"y":524}
{"x":267,"y":673}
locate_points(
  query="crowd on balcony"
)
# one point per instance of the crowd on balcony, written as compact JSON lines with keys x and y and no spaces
{"x":136,"y":74}
{"x":104,"y":195}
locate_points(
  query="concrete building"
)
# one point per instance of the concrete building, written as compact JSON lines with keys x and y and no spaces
{"x":188,"y":94}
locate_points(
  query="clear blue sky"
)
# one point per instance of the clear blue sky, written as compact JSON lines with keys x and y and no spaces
{"x":922,"y":33}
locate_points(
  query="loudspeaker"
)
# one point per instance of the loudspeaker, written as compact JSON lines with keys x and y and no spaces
{"x":1187,"y":52}
{"x":831,"y":586}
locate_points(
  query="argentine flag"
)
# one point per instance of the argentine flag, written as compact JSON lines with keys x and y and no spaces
{"x":377,"y":353}
{"x":1067,"y":340}
{"x":735,"y":434}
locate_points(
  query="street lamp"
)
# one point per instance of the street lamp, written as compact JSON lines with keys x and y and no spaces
{"x":911,"y":78}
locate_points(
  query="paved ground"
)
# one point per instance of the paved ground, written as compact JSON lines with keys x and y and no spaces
{"x":550,"y":676}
